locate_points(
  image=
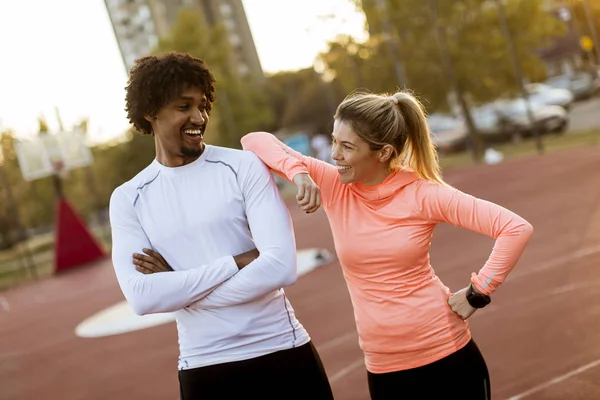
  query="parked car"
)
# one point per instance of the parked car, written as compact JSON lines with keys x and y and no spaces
{"x":582,"y":85}
{"x":547,"y":118}
{"x":547,"y":95}
{"x":491,"y":124}
{"x":448,"y":133}
{"x":489,"y":121}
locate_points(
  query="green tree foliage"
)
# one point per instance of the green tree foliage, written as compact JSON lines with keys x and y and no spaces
{"x":242,"y":105}
{"x":477,"y":46}
{"x":42,"y":125}
{"x":301,"y":100}
{"x":582,"y":26}
{"x":7,"y":217}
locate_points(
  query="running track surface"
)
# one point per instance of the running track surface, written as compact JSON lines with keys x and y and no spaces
{"x":540,"y":336}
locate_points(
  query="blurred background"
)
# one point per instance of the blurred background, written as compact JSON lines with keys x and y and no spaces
{"x":509,"y":78}
{"x":502,"y":81}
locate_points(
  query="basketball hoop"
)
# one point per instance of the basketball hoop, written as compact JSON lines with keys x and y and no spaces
{"x":58,"y":166}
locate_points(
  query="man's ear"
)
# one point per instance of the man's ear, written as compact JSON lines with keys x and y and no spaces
{"x":149,"y":118}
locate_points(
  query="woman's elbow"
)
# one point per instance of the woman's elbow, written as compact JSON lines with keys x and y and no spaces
{"x":520,"y":230}
{"x":526,"y":230}
{"x":250,"y":141}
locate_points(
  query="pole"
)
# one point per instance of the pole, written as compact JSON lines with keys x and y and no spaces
{"x":399,"y":69}
{"x":519,"y":74}
{"x":590,"y":20}
{"x":442,"y":40}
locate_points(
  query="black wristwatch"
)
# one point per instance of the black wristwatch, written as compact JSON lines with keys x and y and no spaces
{"x":477,"y":300}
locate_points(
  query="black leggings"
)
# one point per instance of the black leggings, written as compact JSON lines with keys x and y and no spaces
{"x":296,"y":374}
{"x":461,"y":375}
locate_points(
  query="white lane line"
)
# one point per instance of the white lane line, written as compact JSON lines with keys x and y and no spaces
{"x":557,"y":262}
{"x":337,"y":341}
{"x":345,"y":371}
{"x":4,"y":304}
{"x":554,"y":381}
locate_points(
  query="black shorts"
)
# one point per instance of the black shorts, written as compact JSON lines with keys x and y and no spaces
{"x":288,"y":374}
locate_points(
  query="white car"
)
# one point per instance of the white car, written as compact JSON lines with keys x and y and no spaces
{"x":541,"y":93}
{"x":583,"y":85}
{"x":487,"y":121}
{"x":548,"y":118}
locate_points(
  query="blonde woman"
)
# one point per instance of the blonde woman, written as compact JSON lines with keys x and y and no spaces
{"x":383,"y":199}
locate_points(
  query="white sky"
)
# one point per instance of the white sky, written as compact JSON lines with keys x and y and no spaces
{"x":63,"y":53}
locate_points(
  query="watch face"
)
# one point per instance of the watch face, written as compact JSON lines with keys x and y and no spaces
{"x":478,"y":301}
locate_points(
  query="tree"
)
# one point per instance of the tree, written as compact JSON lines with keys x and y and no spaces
{"x":42,"y":125}
{"x":301,"y":100}
{"x":33,"y":201}
{"x":7,"y":217}
{"x":476,"y":44}
{"x":583,"y":25}
{"x":241,"y":105}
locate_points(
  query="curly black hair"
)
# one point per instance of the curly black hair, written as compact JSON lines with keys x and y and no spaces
{"x":156,"y":80}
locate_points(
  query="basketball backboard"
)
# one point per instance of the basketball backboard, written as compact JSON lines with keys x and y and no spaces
{"x":49,"y":154}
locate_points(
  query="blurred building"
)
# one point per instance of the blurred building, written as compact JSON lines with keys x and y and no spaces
{"x":139,"y":23}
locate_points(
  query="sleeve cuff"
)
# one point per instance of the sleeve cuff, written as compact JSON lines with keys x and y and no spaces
{"x":296,"y":170}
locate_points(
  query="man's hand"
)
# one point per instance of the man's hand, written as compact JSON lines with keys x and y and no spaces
{"x":459,"y":304}
{"x":308,"y":193}
{"x":246,"y":258}
{"x":151,"y":262}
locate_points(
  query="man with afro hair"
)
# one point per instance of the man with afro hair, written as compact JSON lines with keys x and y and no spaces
{"x":202,"y":232}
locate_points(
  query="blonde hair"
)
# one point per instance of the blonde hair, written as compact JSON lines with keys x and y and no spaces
{"x":397,"y":120}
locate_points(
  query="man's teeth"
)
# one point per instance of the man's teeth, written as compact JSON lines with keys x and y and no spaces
{"x":194,"y":132}
{"x":342,"y":167}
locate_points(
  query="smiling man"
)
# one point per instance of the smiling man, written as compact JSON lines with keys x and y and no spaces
{"x":218,"y":243}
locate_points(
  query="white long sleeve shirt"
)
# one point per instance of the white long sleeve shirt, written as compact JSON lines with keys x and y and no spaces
{"x":198,"y":217}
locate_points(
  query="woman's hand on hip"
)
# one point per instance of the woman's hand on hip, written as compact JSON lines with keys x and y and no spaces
{"x":459,"y":304}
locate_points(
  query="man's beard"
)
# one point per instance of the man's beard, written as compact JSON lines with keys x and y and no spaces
{"x":192,"y":151}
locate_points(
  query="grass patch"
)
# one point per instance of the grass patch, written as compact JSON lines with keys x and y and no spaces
{"x":527,"y":147}
{"x":14,"y":269}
